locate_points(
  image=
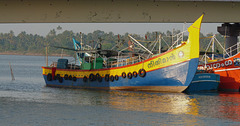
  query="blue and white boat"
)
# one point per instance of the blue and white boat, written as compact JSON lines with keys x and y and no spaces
{"x":204,"y":81}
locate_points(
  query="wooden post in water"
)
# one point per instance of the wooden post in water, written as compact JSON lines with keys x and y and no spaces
{"x":11,"y":72}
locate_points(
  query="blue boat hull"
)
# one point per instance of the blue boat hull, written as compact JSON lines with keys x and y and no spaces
{"x":203,"y":82}
{"x":175,"y":78}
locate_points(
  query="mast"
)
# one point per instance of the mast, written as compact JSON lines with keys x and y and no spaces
{"x":46,"y":56}
{"x":160,"y":44}
{"x":213,"y":49}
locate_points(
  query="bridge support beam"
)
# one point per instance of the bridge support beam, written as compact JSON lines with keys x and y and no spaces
{"x":231,"y":31}
{"x":142,"y":11}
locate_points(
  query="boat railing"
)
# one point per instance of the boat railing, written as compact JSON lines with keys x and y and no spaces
{"x":233,"y":49}
{"x":211,"y":46}
{"x":177,"y":40}
{"x":124,"y":62}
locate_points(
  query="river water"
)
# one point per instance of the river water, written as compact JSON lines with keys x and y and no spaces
{"x":28,"y":102}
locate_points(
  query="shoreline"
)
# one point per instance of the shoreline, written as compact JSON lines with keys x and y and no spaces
{"x":30,"y":54}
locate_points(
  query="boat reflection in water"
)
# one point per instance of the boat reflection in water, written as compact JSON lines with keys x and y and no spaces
{"x":170,"y":103}
{"x":230,"y":106}
{"x":197,"y":109}
{"x":213,"y":106}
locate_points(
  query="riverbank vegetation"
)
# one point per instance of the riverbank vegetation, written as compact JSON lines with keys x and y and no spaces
{"x":29,"y":44}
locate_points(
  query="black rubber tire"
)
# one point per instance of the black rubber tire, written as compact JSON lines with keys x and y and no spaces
{"x":129,"y":75}
{"x":116,"y":77}
{"x":91,"y":77}
{"x":112,"y":78}
{"x":99,"y":79}
{"x":58,"y":76}
{"x":70,"y":77}
{"x":60,"y":79}
{"x":49,"y":77}
{"x":74,"y":78}
{"x":142,"y":73}
{"x":97,"y":75}
{"x":124,"y":75}
{"x":135,"y":74}
{"x":84,"y":79}
{"x":66,"y":77}
{"x":106,"y":77}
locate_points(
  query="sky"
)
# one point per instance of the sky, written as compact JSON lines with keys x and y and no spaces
{"x":117,"y":28}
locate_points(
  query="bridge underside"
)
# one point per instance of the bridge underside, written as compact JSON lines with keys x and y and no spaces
{"x":82,"y":11}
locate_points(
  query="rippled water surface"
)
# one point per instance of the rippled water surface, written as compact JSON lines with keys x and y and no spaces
{"x":26,"y":101}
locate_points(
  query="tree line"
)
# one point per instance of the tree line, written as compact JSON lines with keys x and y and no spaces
{"x":29,"y":43}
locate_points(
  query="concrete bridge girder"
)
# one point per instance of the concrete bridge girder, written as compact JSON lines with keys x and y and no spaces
{"x":123,"y":11}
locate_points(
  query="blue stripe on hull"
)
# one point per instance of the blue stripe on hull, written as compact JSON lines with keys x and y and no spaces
{"x":176,"y":78}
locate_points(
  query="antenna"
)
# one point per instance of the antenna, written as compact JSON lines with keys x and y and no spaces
{"x":81,"y":40}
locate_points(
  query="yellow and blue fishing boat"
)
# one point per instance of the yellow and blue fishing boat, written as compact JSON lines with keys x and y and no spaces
{"x":171,"y":71}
